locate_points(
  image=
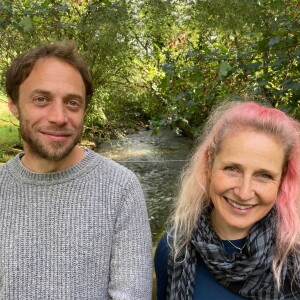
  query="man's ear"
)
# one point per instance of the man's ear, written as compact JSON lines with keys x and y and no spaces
{"x":13,"y":108}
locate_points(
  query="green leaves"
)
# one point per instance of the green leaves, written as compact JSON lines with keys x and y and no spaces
{"x":274,"y":41}
{"x":26,"y":24}
{"x":167,"y":61}
{"x":224,"y":69}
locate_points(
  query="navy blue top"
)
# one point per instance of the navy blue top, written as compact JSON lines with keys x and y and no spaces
{"x":206,"y":286}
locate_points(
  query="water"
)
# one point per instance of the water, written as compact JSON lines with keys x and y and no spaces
{"x":157,"y":162}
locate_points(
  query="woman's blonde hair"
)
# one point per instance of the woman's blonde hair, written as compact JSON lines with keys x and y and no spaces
{"x":193,"y":197}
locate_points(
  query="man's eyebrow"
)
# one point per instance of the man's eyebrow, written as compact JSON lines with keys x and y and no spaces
{"x":40,"y":91}
{"x":74,"y":95}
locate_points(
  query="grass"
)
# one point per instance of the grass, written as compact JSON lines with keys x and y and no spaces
{"x":9,"y":134}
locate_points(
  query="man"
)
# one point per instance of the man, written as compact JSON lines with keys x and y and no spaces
{"x":73,"y":224}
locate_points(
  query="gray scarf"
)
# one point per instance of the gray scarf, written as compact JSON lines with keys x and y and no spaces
{"x":247,"y":274}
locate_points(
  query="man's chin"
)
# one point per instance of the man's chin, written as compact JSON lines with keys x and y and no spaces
{"x":56,"y":153}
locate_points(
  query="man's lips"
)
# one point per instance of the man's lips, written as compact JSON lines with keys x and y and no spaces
{"x":56,"y":136}
{"x":238,"y":205}
{"x":57,"y":133}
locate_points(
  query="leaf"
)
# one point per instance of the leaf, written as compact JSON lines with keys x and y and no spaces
{"x":168,"y":68}
{"x":191,"y":103}
{"x":179,"y":96}
{"x":191,"y":53}
{"x":64,"y":8}
{"x":37,"y":19}
{"x":26,"y":24}
{"x":107,"y":2}
{"x":274,"y":41}
{"x":224,"y":69}
{"x":293,"y":87}
{"x":255,"y":66}
{"x":163,"y":122}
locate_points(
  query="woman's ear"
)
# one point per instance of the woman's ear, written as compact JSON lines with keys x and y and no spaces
{"x":13,"y":108}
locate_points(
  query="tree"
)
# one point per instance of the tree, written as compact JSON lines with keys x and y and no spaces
{"x":168,"y":61}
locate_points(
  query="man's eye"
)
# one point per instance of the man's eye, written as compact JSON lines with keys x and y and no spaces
{"x":73,"y":103}
{"x":40,"y":99}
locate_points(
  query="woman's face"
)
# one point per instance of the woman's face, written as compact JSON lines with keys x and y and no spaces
{"x":244,"y":182}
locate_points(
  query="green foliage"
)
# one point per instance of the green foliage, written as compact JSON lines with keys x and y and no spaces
{"x":167,"y":61}
{"x":232,"y":47}
{"x":9,"y":134}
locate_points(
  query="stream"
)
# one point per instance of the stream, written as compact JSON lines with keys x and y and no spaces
{"x":157,"y":162}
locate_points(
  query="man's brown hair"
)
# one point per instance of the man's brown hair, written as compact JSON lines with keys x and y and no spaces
{"x":22,"y":66}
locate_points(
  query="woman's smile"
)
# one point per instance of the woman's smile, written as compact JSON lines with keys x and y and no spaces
{"x":237,"y":205}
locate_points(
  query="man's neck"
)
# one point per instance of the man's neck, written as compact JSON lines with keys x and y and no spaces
{"x":40,"y":165}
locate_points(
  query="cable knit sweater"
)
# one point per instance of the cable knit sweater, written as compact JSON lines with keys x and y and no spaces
{"x":81,"y":233}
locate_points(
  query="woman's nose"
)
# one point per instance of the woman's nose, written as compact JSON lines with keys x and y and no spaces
{"x":244,"y":189}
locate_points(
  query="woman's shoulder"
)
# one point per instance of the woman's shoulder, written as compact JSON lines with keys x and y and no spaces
{"x":163,"y":249}
{"x":161,"y":266}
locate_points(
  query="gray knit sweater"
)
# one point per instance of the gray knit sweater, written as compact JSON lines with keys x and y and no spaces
{"x":81,"y":233}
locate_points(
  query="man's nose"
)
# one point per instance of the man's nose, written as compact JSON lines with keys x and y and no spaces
{"x":58,"y":114}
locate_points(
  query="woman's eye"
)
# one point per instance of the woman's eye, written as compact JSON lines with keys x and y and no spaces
{"x":231,"y":169}
{"x":265,"y":176}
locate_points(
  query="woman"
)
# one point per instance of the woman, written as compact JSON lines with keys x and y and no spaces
{"x":235,"y":231}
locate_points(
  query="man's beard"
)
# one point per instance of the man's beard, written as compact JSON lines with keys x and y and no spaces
{"x":54,"y":151}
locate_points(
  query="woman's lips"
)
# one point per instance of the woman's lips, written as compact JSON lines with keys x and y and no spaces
{"x":238,"y":205}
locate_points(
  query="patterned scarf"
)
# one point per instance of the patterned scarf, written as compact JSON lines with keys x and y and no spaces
{"x":247,"y":274}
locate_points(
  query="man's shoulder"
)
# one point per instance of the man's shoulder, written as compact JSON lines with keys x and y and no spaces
{"x":5,"y":169}
{"x":4,"y":166}
{"x":2,"y":169}
{"x":110,"y":167}
{"x":112,"y":175}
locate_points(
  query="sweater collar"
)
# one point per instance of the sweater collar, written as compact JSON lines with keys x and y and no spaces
{"x":21,"y":173}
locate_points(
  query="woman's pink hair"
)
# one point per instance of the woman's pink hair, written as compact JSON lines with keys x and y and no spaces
{"x":227,"y":119}
{"x":286,"y":131}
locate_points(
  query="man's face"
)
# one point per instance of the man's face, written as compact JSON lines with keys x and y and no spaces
{"x":51,"y":109}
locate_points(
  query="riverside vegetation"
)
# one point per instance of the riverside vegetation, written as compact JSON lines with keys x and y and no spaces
{"x":166,"y":62}
{"x":10,"y":141}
